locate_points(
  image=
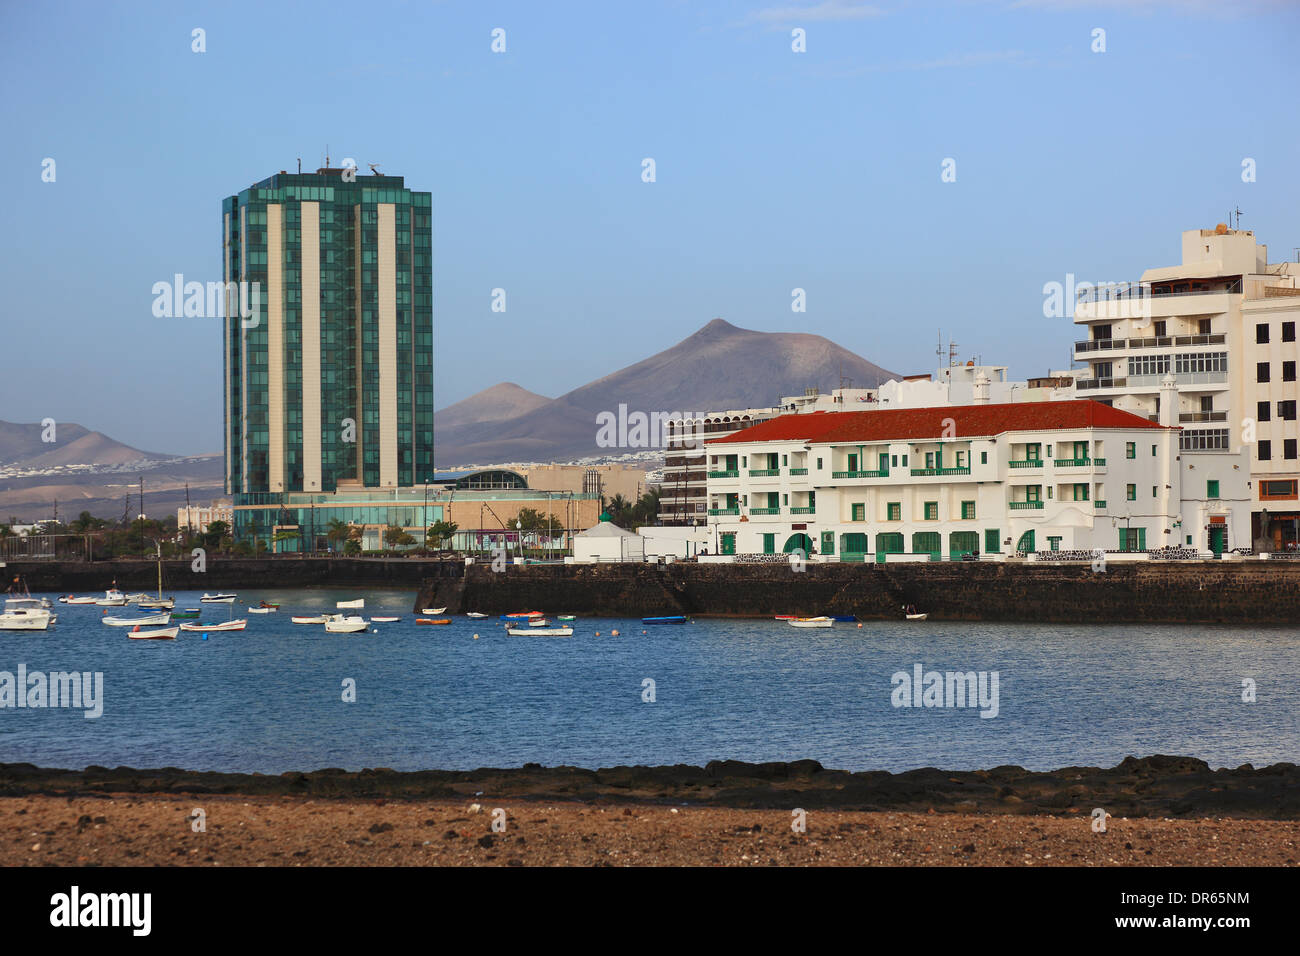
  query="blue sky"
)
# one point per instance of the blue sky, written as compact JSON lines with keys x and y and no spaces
{"x":775,"y":170}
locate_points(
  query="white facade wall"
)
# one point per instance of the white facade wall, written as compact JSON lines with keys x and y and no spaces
{"x":1000,"y":493}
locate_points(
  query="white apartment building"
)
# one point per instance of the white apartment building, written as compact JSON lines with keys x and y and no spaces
{"x":1197,"y":321}
{"x":198,"y":517}
{"x":988,"y":479}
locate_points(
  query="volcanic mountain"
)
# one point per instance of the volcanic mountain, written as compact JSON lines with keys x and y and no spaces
{"x":719,"y":367}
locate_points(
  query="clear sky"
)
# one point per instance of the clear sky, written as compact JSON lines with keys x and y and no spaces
{"x":774,"y":170}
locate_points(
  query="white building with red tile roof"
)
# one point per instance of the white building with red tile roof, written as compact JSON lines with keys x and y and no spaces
{"x":982,"y":479}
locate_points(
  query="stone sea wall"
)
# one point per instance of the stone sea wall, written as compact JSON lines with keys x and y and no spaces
{"x":1208,"y":592}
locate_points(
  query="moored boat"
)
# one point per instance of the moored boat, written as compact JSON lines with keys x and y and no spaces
{"x":438,"y":620}
{"x":540,"y":631}
{"x":112,"y":598}
{"x":811,"y":622}
{"x":434,"y":610}
{"x":25,"y":614}
{"x":474,"y":614}
{"x":566,"y":617}
{"x":518,"y":615}
{"x":345,"y":624}
{"x":310,"y":618}
{"x":163,"y":618}
{"x":187,"y":614}
{"x":220,"y":598}
{"x":158,"y":634}
{"x":669,"y":619}
{"x":73,"y":599}
{"x":261,"y":610}
{"x":917,"y":617}
{"x":238,"y":624}
{"x":384,"y":620}
{"x":359,"y":602}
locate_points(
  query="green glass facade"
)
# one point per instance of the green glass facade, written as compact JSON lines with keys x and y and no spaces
{"x":329,"y":338}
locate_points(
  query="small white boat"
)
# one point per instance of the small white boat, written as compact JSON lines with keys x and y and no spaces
{"x":310,"y":618}
{"x":218,"y":598}
{"x":345,"y":624}
{"x":137,"y":597}
{"x":540,"y":631}
{"x":163,"y":618}
{"x":811,"y":622}
{"x":72,"y":599}
{"x":443,"y":610}
{"x":538,"y":622}
{"x":25,"y":614}
{"x":917,"y":617}
{"x":359,"y":602}
{"x":112,"y":598}
{"x":385,"y":620}
{"x":471,"y":614}
{"x":261,"y":610}
{"x":165,"y":604}
{"x":237,"y":624}
{"x":159,"y":634}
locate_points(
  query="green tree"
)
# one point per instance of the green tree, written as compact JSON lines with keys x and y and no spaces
{"x":286,"y":534}
{"x":393,"y":535}
{"x":440,"y":531}
{"x":337,"y":533}
{"x":217,"y":534}
{"x":352,"y":546}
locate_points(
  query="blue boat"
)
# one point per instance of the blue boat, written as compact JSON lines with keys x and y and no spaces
{"x":675,"y":619}
{"x":846,"y":618}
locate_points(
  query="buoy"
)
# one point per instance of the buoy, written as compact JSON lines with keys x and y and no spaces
{"x":859,"y":625}
{"x":642,"y":630}
{"x":614,"y":633}
{"x":598,"y":633}
{"x":205,"y":637}
{"x":476,"y":637}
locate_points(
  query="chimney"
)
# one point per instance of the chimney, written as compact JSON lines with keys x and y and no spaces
{"x":980,"y":394}
{"x":1169,"y":401}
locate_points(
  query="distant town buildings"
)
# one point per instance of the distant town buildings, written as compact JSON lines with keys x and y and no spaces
{"x":198,"y":517}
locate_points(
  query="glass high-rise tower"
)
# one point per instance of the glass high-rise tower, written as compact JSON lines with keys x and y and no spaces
{"x":329,"y":381}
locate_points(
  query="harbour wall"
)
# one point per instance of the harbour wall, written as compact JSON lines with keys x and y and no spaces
{"x":1201,"y":592}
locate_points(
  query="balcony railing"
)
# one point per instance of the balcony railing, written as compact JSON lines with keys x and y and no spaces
{"x":724,"y":474}
{"x":1150,"y":342}
{"x":925,"y":472}
{"x":878,"y":473}
{"x":724,"y":511}
{"x":1099,"y":462}
{"x":798,"y":471}
{"x":1073,"y":462}
{"x":1122,"y":291}
{"x":764,"y":472}
{"x":802,"y":511}
{"x":1025,"y":505}
{"x":1085,"y":384}
{"x":1027,"y":463}
{"x":1099,"y":503}
{"x":765,"y":511}
{"x":1202,"y":416}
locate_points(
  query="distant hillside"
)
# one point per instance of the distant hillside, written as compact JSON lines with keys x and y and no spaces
{"x":494,"y":404}
{"x":21,"y":446}
{"x":719,"y":367}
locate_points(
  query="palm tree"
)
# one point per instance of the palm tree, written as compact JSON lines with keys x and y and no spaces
{"x":337,"y":532}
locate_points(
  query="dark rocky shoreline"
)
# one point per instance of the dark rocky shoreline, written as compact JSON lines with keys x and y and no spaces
{"x":1155,"y":786}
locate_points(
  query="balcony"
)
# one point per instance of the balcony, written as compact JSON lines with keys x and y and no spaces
{"x":1099,"y":503}
{"x":1027,"y":463}
{"x":1202,"y":417}
{"x":1129,"y":291}
{"x":798,"y":471}
{"x":1073,"y":462}
{"x":764,"y":511}
{"x":1099,"y":462}
{"x":803,"y":511}
{"x":1149,"y":342}
{"x":724,"y":511}
{"x":1083,"y":385}
{"x":1025,"y":505}
{"x":879,"y":473}
{"x":927,"y":472}
{"x":724,"y":474}
{"x":764,"y":472}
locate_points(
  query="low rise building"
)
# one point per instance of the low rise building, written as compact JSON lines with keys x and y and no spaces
{"x":980,"y":479}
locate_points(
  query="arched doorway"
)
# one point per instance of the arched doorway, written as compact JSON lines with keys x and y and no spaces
{"x":798,"y":542}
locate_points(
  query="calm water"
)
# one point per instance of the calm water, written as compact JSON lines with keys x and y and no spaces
{"x":269,"y":699}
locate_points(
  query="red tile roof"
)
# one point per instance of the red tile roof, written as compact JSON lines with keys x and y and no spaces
{"x":969,"y":421}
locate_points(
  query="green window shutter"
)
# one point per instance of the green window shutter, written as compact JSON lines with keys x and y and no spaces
{"x":1142,"y":539}
{"x":769,"y":544}
{"x":984,"y":458}
{"x":828,"y":542}
{"x":859,"y":512}
{"x":992,"y":540}
{"x":1211,"y":489}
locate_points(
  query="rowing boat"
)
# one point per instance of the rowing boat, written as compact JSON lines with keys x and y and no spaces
{"x":164,"y":618}
{"x":238,"y":624}
{"x":474,"y":614}
{"x":434,"y":610}
{"x":811,"y":622}
{"x":540,"y":631}
{"x":160,"y":634}
{"x":310,"y":619}
{"x":428,"y":620}
{"x":385,"y":620}
{"x":359,"y":602}
{"x":671,"y":619}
